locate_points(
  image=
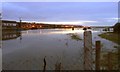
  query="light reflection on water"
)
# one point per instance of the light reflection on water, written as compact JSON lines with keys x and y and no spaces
{"x":52,"y":31}
{"x":28,"y":51}
{"x":36,"y":44}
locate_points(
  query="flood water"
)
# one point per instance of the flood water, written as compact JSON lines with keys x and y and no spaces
{"x":27,"y":51}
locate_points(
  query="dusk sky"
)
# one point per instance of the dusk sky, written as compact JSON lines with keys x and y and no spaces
{"x":77,"y":13}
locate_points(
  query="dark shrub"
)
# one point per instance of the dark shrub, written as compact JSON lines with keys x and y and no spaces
{"x":117,"y":28}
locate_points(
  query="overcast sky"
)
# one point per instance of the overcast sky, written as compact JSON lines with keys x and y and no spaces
{"x":80,"y":13}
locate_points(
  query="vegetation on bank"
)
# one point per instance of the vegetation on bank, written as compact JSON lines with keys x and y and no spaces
{"x":110,"y":57}
{"x":74,"y":36}
{"x":109,"y":61}
{"x":110,"y":36}
{"x":117,"y":28}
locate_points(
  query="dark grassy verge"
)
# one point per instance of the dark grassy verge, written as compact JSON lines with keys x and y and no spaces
{"x":110,"y":36}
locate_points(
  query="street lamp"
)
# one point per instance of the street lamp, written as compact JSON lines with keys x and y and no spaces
{"x":20,"y":19}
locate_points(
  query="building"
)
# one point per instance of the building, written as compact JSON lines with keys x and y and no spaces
{"x":9,"y":25}
{"x":10,"y":30}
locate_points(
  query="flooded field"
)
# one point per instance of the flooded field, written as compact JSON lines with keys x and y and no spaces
{"x":28,"y":50}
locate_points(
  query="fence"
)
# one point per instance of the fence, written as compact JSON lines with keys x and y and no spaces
{"x":90,"y":61}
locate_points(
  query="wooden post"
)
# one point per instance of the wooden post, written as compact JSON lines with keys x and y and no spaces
{"x":72,"y":28}
{"x":119,"y":57}
{"x":109,"y":63}
{"x":0,"y":31}
{"x":97,"y":58}
{"x":119,"y":36}
{"x":88,"y":50}
{"x":0,"y":42}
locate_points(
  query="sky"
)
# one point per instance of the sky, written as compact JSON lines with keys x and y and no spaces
{"x":76,"y":13}
{"x":59,"y":0}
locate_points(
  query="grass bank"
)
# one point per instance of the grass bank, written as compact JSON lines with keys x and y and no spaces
{"x":110,"y":57}
{"x":110,"y":36}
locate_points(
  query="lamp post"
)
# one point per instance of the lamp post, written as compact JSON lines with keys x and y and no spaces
{"x":19,"y":26}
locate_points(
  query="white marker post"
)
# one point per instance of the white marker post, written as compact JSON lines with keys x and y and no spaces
{"x":88,"y":50}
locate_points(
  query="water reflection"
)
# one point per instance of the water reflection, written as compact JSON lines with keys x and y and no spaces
{"x":51,"y":31}
{"x":36,"y":44}
{"x":8,"y":35}
{"x":67,"y":31}
{"x":57,"y":45}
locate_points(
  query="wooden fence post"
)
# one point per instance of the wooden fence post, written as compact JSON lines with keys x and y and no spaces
{"x":0,"y":42}
{"x":109,"y":59}
{"x":97,"y":58}
{"x":88,"y":50}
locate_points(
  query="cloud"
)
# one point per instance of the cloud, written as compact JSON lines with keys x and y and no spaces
{"x":89,"y":21}
{"x":113,"y":19}
{"x":61,"y":12}
{"x":65,"y":22}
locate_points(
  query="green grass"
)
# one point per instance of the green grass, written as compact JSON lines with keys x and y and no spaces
{"x":113,"y":60}
{"x":114,"y":55}
{"x":110,"y":36}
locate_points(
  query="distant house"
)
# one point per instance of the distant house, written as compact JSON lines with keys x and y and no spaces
{"x":9,"y":25}
{"x":117,"y":28}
